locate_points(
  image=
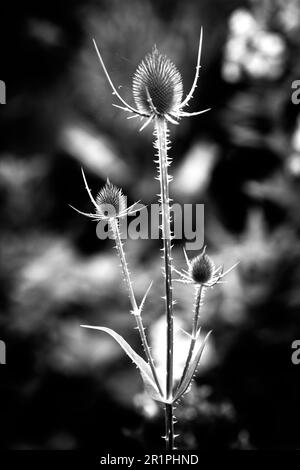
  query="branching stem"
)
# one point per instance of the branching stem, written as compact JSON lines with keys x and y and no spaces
{"x":135,"y":309}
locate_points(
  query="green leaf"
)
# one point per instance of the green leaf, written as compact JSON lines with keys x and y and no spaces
{"x":191,"y":369}
{"x":142,"y":365}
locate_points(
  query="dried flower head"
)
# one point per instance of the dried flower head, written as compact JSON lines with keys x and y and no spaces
{"x":157,"y":85}
{"x":157,"y":88}
{"x":201,"y":270}
{"x":110,"y":200}
{"x":110,"y":203}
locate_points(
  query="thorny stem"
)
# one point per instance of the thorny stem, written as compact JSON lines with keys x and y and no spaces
{"x":135,"y":309}
{"x":198,"y":297}
{"x":161,"y":144}
{"x":170,"y":429}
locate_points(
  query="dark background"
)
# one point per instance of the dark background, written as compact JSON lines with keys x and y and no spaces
{"x":67,"y":388}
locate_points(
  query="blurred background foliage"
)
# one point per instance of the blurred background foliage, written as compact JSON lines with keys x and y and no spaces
{"x":67,"y":388}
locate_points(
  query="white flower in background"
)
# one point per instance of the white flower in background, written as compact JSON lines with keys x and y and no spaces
{"x":242,"y":22}
{"x":251,"y":51}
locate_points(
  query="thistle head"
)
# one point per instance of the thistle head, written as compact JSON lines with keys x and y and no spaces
{"x":157,"y":85}
{"x":157,"y":89}
{"x":202,"y":269}
{"x":110,"y":200}
{"x":110,"y":203}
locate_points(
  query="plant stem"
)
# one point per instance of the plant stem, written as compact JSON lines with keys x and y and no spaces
{"x":169,"y":427}
{"x":198,"y":296}
{"x":161,"y":144}
{"x":135,"y":309}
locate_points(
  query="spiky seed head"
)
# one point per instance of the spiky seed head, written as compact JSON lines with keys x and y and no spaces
{"x":157,"y":74}
{"x":202,"y":269}
{"x":110,"y":201}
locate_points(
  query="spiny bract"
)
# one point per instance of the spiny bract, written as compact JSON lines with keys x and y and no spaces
{"x":157,"y":85}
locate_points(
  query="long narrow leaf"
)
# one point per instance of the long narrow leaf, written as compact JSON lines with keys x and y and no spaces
{"x":136,"y":358}
{"x":191,"y":370}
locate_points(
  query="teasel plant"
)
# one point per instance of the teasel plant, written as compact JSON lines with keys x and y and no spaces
{"x":158,"y":96}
